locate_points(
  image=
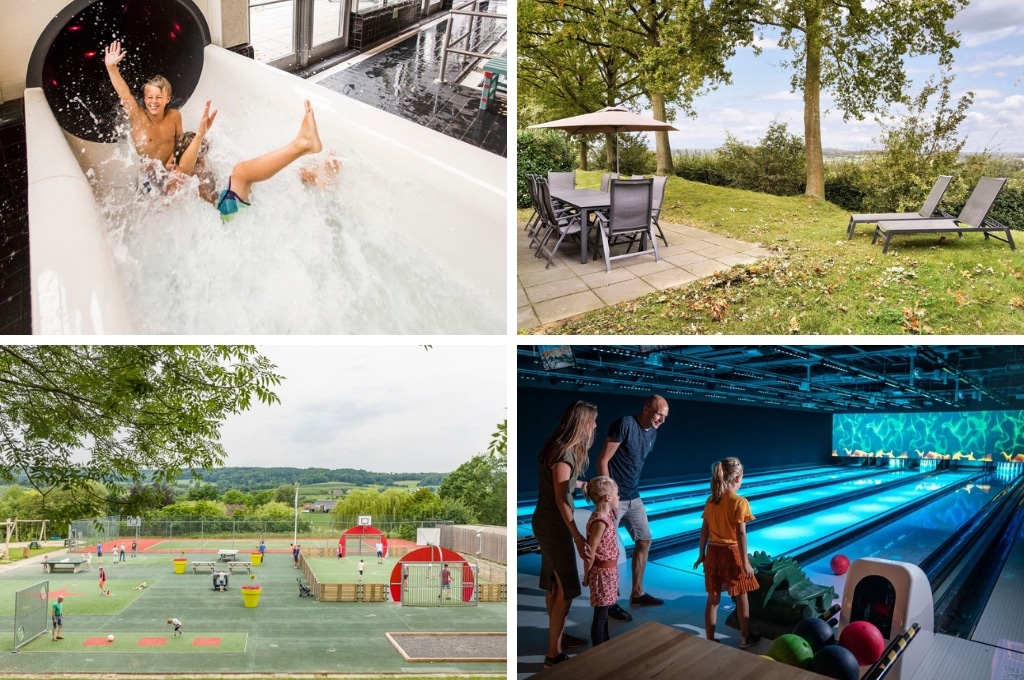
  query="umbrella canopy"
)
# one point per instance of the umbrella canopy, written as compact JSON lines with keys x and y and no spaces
{"x":612,"y":119}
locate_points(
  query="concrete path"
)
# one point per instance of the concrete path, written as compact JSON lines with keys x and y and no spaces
{"x":568,"y":288}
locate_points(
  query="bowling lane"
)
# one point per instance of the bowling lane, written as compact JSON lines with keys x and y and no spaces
{"x":689,"y":518}
{"x":790,"y":536}
{"x":918,"y":534}
{"x":675,"y":497}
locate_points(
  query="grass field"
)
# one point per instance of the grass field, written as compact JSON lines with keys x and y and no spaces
{"x":285,"y":634}
{"x":819,"y":282}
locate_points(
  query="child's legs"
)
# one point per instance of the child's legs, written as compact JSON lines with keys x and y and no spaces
{"x":743,"y":613}
{"x":711,"y":614}
{"x":599,"y":627}
{"x":262,"y":168}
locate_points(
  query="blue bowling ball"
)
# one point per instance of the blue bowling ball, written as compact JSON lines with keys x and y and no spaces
{"x":837,"y":662}
{"x":817,"y":632}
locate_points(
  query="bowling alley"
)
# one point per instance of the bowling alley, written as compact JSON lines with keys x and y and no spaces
{"x":771,"y":512}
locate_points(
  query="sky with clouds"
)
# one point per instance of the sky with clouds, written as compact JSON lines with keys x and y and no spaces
{"x":990,"y":62}
{"x":381,"y":408}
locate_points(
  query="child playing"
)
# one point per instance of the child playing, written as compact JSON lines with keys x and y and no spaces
{"x":723,"y":548}
{"x":155,"y":127}
{"x":362,"y":565}
{"x":177,"y":626}
{"x":601,"y":569}
{"x":103,"y":582}
{"x":446,"y":582}
{"x":245,"y":174}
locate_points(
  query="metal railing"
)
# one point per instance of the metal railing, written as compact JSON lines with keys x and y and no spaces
{"x":465,"y":37}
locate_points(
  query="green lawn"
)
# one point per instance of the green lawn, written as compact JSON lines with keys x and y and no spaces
{"x":819,"y":282}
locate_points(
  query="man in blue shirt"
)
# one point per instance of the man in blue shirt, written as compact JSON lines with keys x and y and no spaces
{"x":630,"y":440}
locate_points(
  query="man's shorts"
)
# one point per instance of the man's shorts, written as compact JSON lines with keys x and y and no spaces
{"x":633,"y":516}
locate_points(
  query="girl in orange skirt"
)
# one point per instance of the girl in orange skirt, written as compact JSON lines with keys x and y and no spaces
{"x":723,"y":548}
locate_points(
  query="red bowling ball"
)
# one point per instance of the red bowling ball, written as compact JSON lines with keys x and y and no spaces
{"x":839,"y":564}
{"x":864,"y":640}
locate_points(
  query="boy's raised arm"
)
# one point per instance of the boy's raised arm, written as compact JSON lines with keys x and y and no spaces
{"x":112,"y":56}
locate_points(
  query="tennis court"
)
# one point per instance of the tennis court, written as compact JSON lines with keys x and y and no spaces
{"x":284,"y":634}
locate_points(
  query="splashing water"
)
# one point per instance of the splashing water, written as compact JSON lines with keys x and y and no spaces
{"x":300,"y":260}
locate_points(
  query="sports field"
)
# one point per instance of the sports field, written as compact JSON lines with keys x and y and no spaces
{"x":285,"y":634}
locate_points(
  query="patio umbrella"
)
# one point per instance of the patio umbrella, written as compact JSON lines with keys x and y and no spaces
{"x":614,"y":119}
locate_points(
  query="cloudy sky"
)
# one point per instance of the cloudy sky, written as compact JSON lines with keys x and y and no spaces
{"x":384,"y":409}
{"x":990,"y":61}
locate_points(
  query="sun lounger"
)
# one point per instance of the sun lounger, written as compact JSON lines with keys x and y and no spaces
{"x":973,"y":218}
{"x":931,"y":204}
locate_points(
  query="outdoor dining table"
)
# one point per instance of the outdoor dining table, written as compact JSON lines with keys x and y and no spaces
{"x":586,"y":201}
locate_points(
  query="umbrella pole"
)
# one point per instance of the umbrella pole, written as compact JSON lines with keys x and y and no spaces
{"x":616,"y":152}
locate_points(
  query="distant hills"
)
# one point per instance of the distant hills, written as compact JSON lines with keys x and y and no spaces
{"x":257,"y":478}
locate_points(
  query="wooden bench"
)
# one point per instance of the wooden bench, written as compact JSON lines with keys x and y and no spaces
{"x":197,"y":565}
{"x":655,"y":650}
{"x":66,"y":564}
{"x":226,"y":555}
{"x":938,"y":226}
{"x":494,"y":71}
{"x":233,"y":565}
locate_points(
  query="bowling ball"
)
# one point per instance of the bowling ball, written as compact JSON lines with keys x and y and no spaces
{"x":839,"y":564}
{"x":864,"y":640}
{"x":817,"y":632}
{"x":791,"y":650}
{"x":837,"y":662}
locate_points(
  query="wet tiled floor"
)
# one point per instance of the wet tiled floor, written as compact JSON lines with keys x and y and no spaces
{"x":403,"y":80}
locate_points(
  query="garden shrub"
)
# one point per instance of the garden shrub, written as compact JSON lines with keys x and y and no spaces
{"x":843,"y":185}
{"x":538,"y":153}
{"x":699,"y":167}
{"x":777,"y":165}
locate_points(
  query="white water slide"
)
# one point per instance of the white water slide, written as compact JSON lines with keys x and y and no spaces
{"x":411,"y":237}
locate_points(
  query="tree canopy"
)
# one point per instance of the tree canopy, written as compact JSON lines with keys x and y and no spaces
{"x":73,"y":416}
{"x":578,"y":54}
{"x":855,"y":51}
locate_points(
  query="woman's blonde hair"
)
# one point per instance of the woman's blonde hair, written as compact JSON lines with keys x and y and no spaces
{"x":721,"y":473}
{"x":599,"y":487}
{"x":574,"y":434}
{"x":161,"y":84}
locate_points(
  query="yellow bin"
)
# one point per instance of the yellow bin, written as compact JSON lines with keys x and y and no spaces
{"x":257,"y":558}
{"x":179,"y":565}
{"x":251,"y":595}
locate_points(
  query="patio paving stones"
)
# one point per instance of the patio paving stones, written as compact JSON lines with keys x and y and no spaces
{"x":569,"y":288}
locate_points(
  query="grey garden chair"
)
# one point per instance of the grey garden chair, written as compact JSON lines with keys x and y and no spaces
{"x":658,"y":197}
{"x":555,"y":222}
{"x":931,"y":204}
{"x":558,"y":181}
{"x":606,"y":179}
{"x":973,"y":218}
{"x":534,"y":223}
{"x":629,"y":216}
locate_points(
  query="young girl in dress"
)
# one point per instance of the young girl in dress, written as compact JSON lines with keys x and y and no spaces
{"x":601,"y":570}
{"x":723,"y":548}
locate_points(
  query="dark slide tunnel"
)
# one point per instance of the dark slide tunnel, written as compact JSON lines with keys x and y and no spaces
{"x":161,"y":37}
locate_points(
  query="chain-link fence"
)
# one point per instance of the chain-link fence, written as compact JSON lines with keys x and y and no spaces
{"x":438,"y":584}
{"x":86,"y":532}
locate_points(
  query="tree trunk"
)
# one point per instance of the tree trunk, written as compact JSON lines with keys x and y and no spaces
{"x":812,"y":102}
{"x":583,"y":152}
{"x":662,"y":149}
{"x":609,"y":150}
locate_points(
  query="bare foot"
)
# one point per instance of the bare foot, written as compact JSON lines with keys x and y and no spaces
{"x":308,"y":136}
